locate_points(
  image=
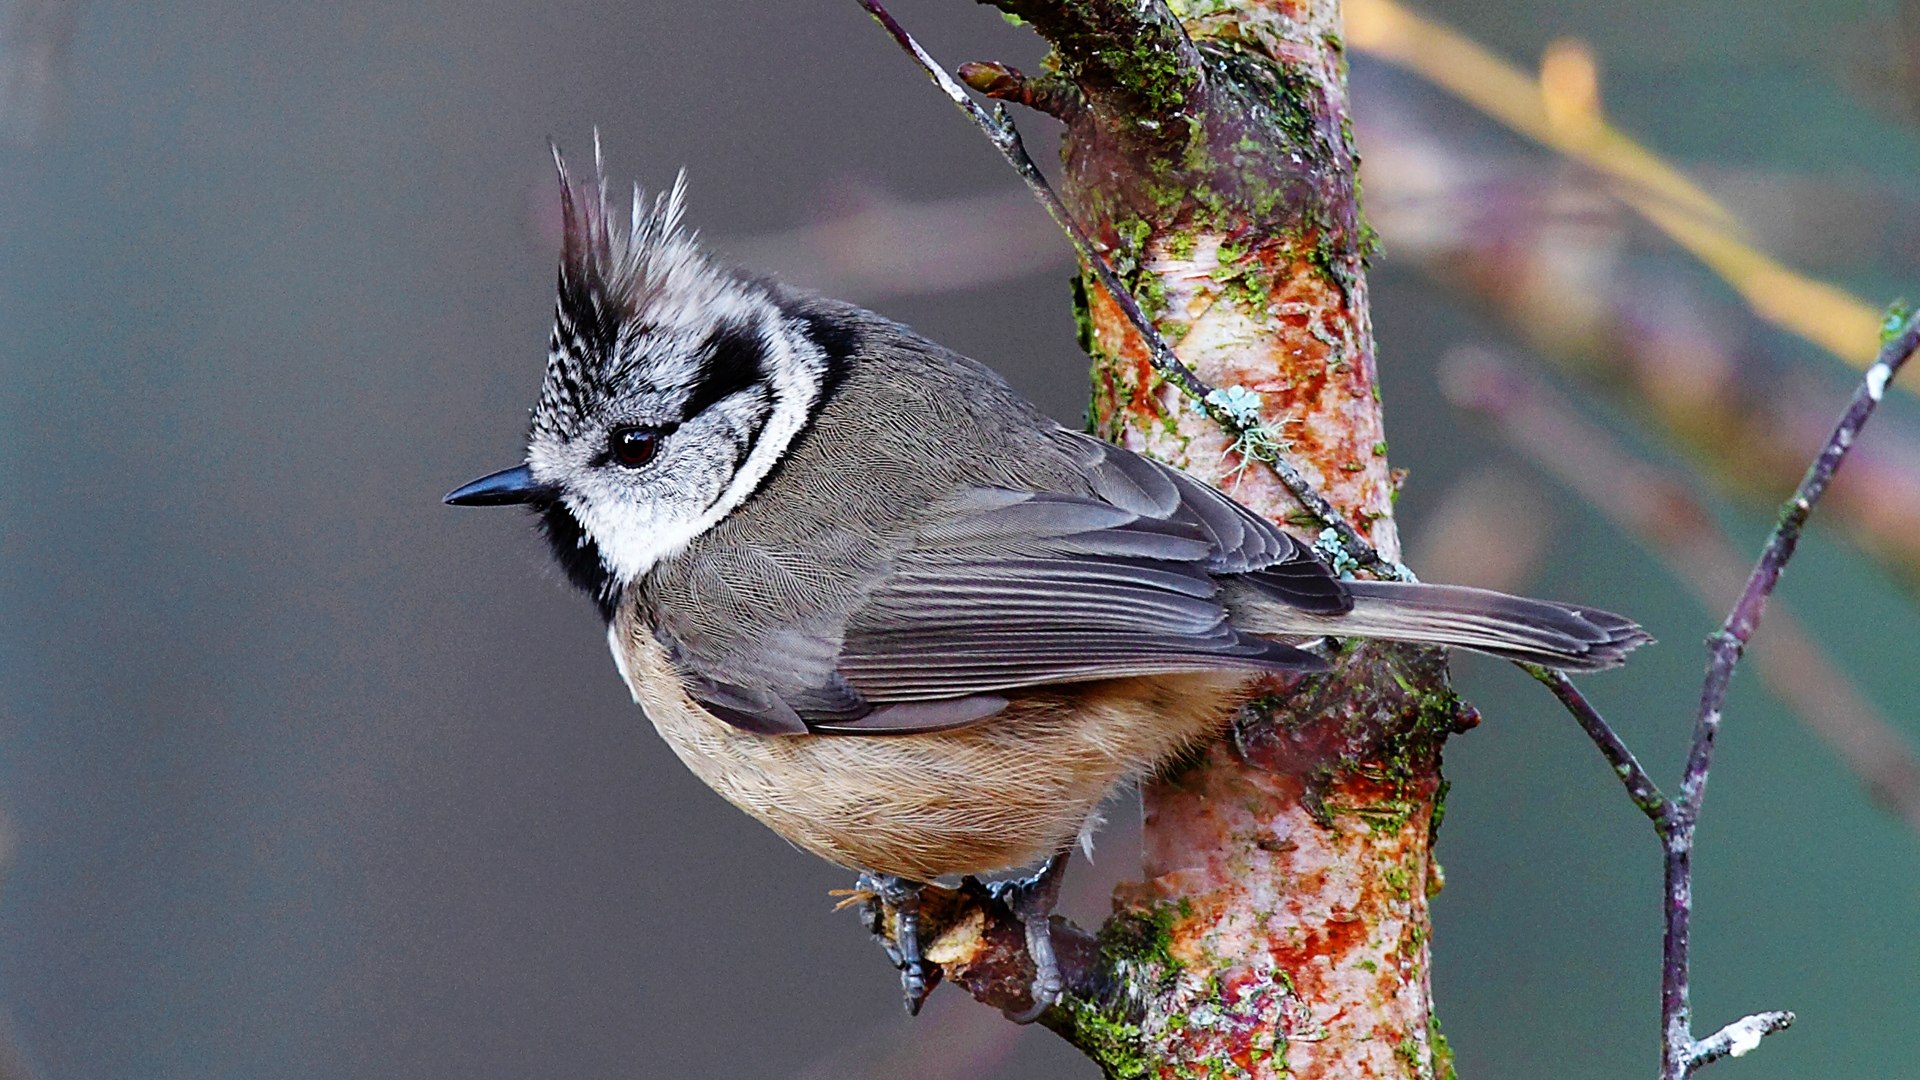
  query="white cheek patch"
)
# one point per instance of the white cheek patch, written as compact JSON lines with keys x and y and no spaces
{"x":633,"y":537}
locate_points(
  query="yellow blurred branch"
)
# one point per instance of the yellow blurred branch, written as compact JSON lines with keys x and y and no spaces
{"x":1561,"y":110}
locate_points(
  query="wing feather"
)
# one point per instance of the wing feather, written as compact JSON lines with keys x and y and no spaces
{"x":1002,"y":589}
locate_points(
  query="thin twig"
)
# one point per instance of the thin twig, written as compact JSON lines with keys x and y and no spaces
{"x":1727,"y":647}
{"x":999,"y":129}
{"x":1682,"y":1052}
{"x":1673,"y":819}
{"x":1737,"y":1038}
{"x":1660,"y":507}
{"x":1640,"y":787}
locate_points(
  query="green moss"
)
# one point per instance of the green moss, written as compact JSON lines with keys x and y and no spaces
{"x":1083,"y":318}
{"x":1442,"y":1053}
{"x":1112,"y":1042}
{"x":1385,"y":818}
{"x":1151,"y":72}
{"x":1128,"y":259}
{"x":1894,"y":322}
{"x":1399,"y":882}
{"x":1137,"y":948}
{"x":1150,"y":292}
{"x":1133,"y":233}
{"x":1431,"y":711}
{"x":1394,"y":709}
{"x":1243,"y":279}
{"x":1369,"y":243}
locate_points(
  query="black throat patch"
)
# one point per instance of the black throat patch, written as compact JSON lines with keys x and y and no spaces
{"x":579,"y":556}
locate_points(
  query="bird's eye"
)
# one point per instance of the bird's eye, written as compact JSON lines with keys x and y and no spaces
{"x":634,"y":446}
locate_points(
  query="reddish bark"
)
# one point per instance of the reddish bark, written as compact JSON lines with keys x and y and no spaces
{"x":1282,"y":926}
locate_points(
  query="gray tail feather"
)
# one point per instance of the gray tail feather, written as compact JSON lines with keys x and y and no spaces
{"x":1556,"y":635}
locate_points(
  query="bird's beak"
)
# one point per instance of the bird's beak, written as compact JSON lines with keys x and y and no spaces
{"x":508,"y":487}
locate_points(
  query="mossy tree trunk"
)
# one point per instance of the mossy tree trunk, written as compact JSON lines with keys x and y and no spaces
{"x":1282,"y":925}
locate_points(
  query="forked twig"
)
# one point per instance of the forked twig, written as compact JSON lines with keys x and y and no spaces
{"x":1683,"y":1053}
{"x":1660,"y":508}
{"x":1673,"y":819}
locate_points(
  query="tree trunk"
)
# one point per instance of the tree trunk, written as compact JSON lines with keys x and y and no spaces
{"x":1282,"y":927}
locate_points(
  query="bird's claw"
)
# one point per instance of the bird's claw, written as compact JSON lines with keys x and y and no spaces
{"x":881,"y":895}
{"x":1032,"y":900}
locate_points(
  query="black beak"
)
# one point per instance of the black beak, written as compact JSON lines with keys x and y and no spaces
{"x":508,"y":487}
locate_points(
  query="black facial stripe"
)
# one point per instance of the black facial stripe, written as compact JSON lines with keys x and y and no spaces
{"x":744,"y":443}
{"x":732,"y":359}
{"x":579,"y":556}
{"x":836,"y":336}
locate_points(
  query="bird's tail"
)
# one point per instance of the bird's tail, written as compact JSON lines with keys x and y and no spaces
{"x":1557,"y":635}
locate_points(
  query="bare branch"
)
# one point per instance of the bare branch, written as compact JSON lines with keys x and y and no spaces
{"x":1640,"y":787}
{"x":1661,"y":509}
{"x":1674,"y":819}
{"x":1726,"y":648}
{"x":1682,"y":1052}
{"x":1737,"y":1038}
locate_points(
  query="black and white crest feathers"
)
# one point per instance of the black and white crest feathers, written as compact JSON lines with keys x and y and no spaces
{"x":609,"y":276}
{"x":725,"y":370}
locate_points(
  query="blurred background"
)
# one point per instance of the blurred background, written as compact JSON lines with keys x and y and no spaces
{"x":303,"y":774}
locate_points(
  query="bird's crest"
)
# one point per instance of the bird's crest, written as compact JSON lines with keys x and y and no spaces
{"x":611,"y":274}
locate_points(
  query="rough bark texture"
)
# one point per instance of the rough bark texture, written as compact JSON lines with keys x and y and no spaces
{"x":1282,"y":926}
{"x":1297,"y":868}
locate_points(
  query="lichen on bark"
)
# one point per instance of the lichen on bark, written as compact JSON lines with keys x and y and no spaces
{"x":1282,"y":927}
{"x":1291,"y":867}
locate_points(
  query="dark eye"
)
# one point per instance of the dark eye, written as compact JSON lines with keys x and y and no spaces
{"x":634,"y":446}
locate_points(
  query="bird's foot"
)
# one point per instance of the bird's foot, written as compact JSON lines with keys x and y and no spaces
{"x":881,"y":896}
{"x":1032,"y":900}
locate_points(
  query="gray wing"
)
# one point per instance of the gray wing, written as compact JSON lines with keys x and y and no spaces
{"x":1004,"y":589}
{"x":1240,"y":542}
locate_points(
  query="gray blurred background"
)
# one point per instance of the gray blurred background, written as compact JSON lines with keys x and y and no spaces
{"x":306,"y":775}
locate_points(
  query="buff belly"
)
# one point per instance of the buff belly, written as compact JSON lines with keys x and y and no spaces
{"x":1005,"y":793}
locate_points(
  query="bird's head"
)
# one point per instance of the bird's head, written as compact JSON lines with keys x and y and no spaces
{"x":673,"y":387}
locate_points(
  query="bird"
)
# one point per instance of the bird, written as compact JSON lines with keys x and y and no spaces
{"x":881,"y":602}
